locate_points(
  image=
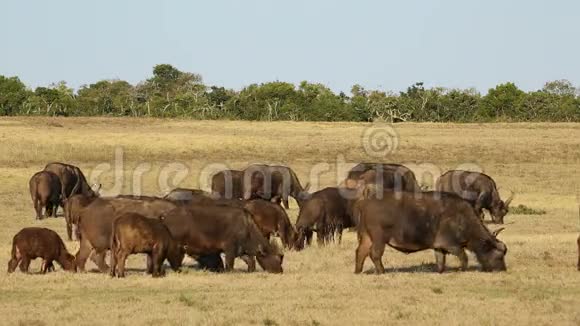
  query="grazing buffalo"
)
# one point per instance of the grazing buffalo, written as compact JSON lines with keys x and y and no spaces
{"x":133,"y":234}
{"x":477,"y":188}
{"x":228,"y":184}
{"x":273,"y":183}
{"x":410,"y":223}
{"x":211,"y":230}
{"x":96,"y":222}
{"x":31,"y":243}
{"x":327,"y":211}
{"x":72,"y":208}
{"x":388,"y":176}
{"x":272,"y":219}
{"x":72,"y":180}
{"x":45,"y":192}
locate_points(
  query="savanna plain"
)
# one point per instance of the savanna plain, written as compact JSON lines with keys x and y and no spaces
{"x":540,"y":163}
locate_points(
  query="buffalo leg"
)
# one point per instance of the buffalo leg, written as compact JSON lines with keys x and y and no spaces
{"x":149,"y":264}
{"x":121,"y":264}
{"x":82,"y":255}
{"x":339,"y":230}
{"x":38,"y":209}
{"x":113,"y":262}
{"x":377,"y":250}
{"x":460,"y":253}
{"x":362,"y":251}
{"x":48,"y":209}
{"x":99,"y":259}
{"x":230,"y":254}
{"x":69,"y":230}
{"x":440,"y":260}
{"x":309,"y":234}
{"x":250,"y":261}
{"x":24,"y":264}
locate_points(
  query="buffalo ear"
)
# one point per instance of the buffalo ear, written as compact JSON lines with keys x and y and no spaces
{"x":498,"y":231}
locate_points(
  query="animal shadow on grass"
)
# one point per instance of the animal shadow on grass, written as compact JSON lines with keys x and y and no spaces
{"x":422,"y":268}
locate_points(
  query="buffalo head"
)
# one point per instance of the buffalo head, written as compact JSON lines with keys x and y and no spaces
{"x":500,"y":208}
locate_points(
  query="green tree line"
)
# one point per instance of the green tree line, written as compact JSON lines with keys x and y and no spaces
{"x":174,"y":93}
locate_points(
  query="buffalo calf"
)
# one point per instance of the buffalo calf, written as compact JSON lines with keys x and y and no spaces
{"x":31,"y":243}
{"x":134,"y":233}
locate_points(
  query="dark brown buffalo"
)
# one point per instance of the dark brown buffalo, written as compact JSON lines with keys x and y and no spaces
{"x":133,"y":234}
{"x":412,"y":222}
{"x":96,"y":222}
{"x":273,"y":182}
{"x":477,"y":188}
{"x":45,"y":192}
{"x":272,"y":219}
{"x":31,"y":243}
{"x":72,"y":180}
{"x":388,"y":176}
{"x":72,"y":208}
{"x":228,"y":184}
{"x":211,"y":230}
{"x":326,"y":211}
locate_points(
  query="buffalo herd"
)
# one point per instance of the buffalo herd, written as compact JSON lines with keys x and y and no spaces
{"x":246,"y":208}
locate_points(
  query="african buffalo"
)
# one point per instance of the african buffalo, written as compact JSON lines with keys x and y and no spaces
{"x":477,"y":188}
{"x":72,"y":180}
{"x":72,"y":207}
{"x":96,"y":222}
{"x":388,"y":176}
{"x":31,"y":243}
{"x":45,"y":192}
{"x":326,"y":211}
{"x":134,"y":233}
{"x":207,"y":230}
{"x":273,"y":182}
{"x":271,"y":219}
{"x":409,"y":223}
{"x":228,"y":184}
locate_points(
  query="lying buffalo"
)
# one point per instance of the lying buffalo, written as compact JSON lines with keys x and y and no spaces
{"x":326,"y":211}
{"x":273,"y":182}
{"x":477,"y":188}
{"x":410,"y":223}
{"x":133,"y":234}
{"x":72,"y":180}
{"x":45,"y":192}
{"x":271,"y":219}
{"x":211,"y":230}
{"x":31,"y":243}
{"x":228,"y":184}
{"x":388,"y":176}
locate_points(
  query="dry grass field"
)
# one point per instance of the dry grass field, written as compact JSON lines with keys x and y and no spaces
{"x":539,"y":162}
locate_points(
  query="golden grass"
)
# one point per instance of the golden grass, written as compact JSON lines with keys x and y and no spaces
{"x":540,"y":162}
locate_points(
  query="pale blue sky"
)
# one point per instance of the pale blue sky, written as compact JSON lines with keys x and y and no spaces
{"x":378,"y":44}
